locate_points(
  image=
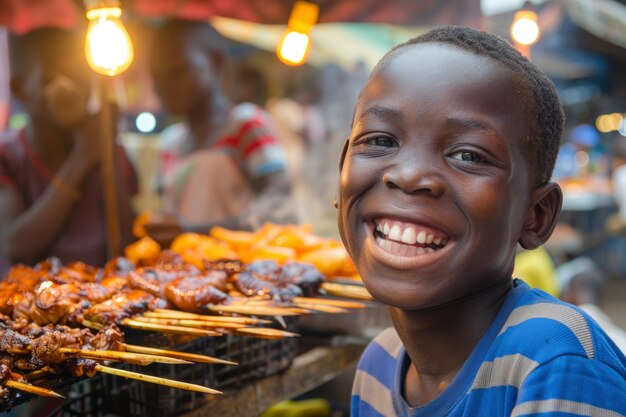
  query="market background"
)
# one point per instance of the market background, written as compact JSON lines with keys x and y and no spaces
{"x":582,"y":49}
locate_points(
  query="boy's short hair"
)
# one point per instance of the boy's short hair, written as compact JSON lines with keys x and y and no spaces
{"x":544,"y":112}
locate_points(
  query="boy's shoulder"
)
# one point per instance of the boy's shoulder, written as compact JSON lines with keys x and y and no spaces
{"x":541,"y":328}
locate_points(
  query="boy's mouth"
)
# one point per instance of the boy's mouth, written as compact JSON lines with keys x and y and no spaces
{"x":407,"y":239}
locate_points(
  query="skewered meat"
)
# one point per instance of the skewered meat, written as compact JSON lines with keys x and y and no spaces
{"x":5,"y":375}
{"x":108,"y":338}
{"x":195,"y":293}
{"x":50,"y":303}
{"x":118,"y":266}
{"x":251,"y":284}
{"x":122,"y":306}
{"x":293,"y":279}
{"x":13,"y":342}
{"x":230,"y":266}
{"x":41,"y":346}
{"x":154,"y":280}
{"x":78,"y":367}
{"x":305,"y":276}
{"x":266,"y":269}
{"x":115,"y":283}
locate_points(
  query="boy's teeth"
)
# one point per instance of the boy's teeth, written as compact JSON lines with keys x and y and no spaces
{"x":409,"y":236}
{"x":395,"y":233}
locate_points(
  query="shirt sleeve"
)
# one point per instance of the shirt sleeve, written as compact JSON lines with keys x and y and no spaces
{"x":260,"y":149}
{"x":572,"y":386}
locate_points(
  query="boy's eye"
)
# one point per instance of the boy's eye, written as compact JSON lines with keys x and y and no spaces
{"x":382,"y":141}
{"x":468,"y":156}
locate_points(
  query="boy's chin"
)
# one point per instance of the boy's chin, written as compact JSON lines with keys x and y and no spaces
{"x":404,"y":297}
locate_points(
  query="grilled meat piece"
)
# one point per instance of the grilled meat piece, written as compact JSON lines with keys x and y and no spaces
{"x":122,"y":306}
{"x":305,"y":276}
{"x":195,"y":293}
{"x":230,"y":266}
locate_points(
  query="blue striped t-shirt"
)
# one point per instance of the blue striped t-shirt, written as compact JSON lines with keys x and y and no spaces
{"x":540,"y":357}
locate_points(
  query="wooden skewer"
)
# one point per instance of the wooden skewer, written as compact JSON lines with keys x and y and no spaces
{"x":37,"y":374}
{"x":173,"y":314}
{"x":32,"y":389}
{"x":189,"y":323}
{"x":163,"y":328}
{"x":263,"y":332}
{"x":253,"y":302}
{"x":194,"y":357}
{"x":91,"y":324}
{"x":323,"y":308}
{"x":300,"y":307}
{"x":267,"y":303}
{"x":298,"y":310}
{"x":255,"y":310}
{"x":156,"y":380}
{"x":348,"y":291}
{"x":114,"y":355}
{"x":330,"y":301}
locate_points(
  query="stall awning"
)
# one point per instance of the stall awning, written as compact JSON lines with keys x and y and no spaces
{"x":605,"y":19}
{"x":24,"y":15}
{"x":345,"y":44}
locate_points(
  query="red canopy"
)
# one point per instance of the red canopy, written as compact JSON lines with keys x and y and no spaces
{"x":24,"y":15}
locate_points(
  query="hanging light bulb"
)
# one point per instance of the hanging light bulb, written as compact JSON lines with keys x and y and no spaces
{"x":295,"y":45}
{"x":108,"y":48}
{"x":525,"y":30}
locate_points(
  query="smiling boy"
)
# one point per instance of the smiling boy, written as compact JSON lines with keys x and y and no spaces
{"x":446,"y":170}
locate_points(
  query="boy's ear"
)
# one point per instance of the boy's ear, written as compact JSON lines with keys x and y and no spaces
{"x":542,"y":216}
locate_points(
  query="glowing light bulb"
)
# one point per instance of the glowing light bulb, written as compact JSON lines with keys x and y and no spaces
{"x":525,"y":30}
{"x":295,"y":45}
{"x":109,"y":49}
{"x":145,"y":122}
{"x":294,"y":48}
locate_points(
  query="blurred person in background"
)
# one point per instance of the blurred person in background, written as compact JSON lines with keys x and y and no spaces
{"x":223,"y":165}
{"x":536,"y":268}
{"x":583,"y":284}
{"x":51,"y":201}
{"x":582,"y":155}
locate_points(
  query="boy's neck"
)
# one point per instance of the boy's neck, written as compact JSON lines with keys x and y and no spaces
{"x":439,"y":341}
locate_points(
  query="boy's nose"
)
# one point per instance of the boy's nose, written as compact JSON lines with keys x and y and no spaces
{"x":414,"y":178}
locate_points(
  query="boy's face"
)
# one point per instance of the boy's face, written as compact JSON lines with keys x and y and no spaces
{"x":434,"y":189}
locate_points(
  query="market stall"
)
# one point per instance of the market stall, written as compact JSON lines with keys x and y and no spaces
{"x":148,"y":316}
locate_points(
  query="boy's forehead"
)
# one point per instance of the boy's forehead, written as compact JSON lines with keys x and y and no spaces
{"x":437,"y":69}
{"x":433,"y":58}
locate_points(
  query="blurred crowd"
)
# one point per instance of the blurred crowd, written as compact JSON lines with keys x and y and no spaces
{"x":233,"y":147}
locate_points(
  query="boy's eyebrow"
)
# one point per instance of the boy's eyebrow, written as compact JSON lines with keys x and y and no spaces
{"x":382,"y":111}
{"x":470,"y":123}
